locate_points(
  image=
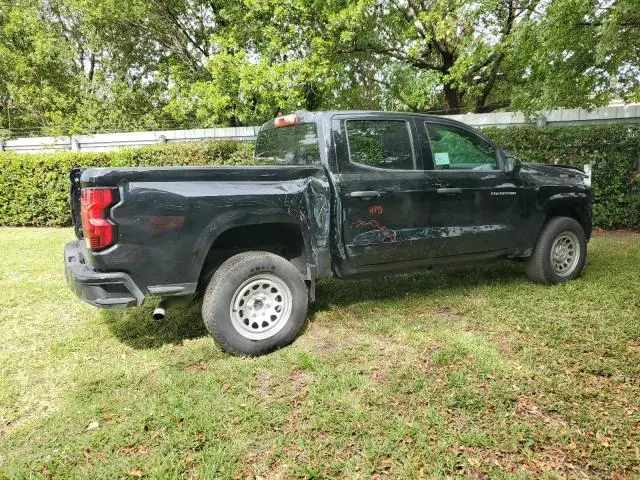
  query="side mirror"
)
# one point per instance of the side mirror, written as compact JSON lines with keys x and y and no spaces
{"x":512,"y":165}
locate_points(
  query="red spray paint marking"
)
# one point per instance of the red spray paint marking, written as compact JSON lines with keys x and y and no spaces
{"x":376,"y":209}
{"x":376,"y":226}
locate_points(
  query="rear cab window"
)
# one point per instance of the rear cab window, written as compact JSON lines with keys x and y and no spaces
{"x":291,"y":145}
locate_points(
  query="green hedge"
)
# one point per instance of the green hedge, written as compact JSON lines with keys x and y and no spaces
{"x":613,"y":151}
{"x":34,"y":188}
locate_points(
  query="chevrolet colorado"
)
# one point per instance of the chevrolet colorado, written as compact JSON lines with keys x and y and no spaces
{"x":331,"y":194}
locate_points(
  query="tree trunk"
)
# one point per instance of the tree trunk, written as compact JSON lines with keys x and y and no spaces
{"x":453,"y":99}
{"x":452,"y":95}
{"x":92,"y":67}
{"x":482,"y":108}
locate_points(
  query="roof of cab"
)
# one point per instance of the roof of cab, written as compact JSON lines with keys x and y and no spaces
{"x":309,"y":117}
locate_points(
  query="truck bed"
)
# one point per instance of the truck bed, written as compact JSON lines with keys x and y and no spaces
{"x":167,"y":218}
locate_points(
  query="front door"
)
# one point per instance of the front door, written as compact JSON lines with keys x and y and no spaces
{"x":475,"y":206}
{"x":384,"y":191}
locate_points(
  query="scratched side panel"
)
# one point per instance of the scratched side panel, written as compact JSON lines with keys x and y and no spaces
{"x":168,"y":218}
{"x":392,"y":227}
{"x":486,"y":213}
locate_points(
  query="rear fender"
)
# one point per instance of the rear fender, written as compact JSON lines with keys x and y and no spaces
{"x":231,"y":220}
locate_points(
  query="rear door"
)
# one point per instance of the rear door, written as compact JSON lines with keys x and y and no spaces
{"x":475,"y":206}
{"x":384,"y":190}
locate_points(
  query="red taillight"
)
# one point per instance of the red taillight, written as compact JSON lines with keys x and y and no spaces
{"x":97,"y":230}
{"x":286,"y":121}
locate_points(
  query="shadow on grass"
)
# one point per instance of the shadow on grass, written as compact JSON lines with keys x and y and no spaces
{"x":136,"y":328}
{"x":342,"y":294}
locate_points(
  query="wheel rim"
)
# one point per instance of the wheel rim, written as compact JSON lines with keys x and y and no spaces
{"x":261,"y":307}
{"x":565,"y":253}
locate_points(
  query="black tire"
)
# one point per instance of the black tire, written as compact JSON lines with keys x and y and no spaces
{"x":540,"y":266}
{"x":239,"y":271}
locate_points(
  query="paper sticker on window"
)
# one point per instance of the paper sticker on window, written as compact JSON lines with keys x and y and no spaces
{"x":442,"y":158}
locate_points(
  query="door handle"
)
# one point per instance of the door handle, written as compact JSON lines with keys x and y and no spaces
{"x":364,"y":194}
{"x":449,"y":191}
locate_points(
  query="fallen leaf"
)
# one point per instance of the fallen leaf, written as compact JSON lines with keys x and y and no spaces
{"x":143,"y":449}
{"x":93,"y":425}
{"x":135,"y":472}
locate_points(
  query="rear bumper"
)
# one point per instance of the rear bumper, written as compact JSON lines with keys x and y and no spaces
{"x":100,"y":289}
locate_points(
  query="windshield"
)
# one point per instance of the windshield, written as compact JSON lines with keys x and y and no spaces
{"x":295,"y":145}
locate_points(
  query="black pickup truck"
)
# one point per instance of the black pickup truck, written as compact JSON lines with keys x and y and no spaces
{"x":331,"y":194}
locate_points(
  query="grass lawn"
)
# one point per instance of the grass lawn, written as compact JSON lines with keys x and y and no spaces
{"x":471,"y":373}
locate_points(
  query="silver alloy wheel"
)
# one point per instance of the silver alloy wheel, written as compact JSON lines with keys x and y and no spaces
{"x":565,"y":253}
{"x":261,"y":306}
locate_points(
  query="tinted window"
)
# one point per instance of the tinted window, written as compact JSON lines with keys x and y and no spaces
{"x":455,"y":148}
{"x":295,"y":145}
{"x":380,"y":143}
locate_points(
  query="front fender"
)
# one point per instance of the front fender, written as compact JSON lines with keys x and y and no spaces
{"x":575,"y":204}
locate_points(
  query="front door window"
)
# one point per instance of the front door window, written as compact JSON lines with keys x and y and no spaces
{"x":454,"y":148}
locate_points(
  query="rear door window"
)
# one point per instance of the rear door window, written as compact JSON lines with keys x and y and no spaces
{"x":380,"y":143}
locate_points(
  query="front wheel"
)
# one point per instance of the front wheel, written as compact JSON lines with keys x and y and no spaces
{"x":559,"y":254}
{"x":255,"y":303}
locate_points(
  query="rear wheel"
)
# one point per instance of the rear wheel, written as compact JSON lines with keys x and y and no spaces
{"x":560,"y":252}
{"x":255,"y":303}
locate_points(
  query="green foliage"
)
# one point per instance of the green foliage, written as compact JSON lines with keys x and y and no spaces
{"x":34,"y":190}
{"x":612,"y":150}
{"x":75,"y":66}
{"x":575,"y":53}
{"x":450,"y":51}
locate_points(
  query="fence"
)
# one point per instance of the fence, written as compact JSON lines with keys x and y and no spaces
{"x":112,"y":141}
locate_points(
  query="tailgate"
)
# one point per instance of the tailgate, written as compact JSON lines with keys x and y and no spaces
{"x":74,"y":199}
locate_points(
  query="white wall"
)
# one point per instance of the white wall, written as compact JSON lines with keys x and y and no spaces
{"x":111,"y":141}
{"x":103,"y":142}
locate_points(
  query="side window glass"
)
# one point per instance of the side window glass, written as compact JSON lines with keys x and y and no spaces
{"x":380,"y":143}
{"x":455,"y":148}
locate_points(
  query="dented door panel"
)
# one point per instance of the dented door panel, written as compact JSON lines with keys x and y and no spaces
{"x":384,"y":213}
{"x":390,"y":227}
{"x":484,"y":214}
{"x":472,"y":210}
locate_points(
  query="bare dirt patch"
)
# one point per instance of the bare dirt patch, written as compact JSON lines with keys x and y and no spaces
{"x":528,"y":407}
{"x":196,"y":368}
{"x":619,"y":233}
{"x":325,"y":340}
{"x":264,"y":385}
{"x":299,"y":380}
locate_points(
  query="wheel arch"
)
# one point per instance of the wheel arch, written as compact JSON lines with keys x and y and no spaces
{"x":281,"y":234}
{"x":571,"y":207}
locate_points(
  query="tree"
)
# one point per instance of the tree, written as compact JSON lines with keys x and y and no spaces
{"x":457,"y":45}
{"x":269,"y":60}
{"x":72,"y":66}
{"x":619,"y":46}
{"x":576,"y":53}
{"x":35,"y":84}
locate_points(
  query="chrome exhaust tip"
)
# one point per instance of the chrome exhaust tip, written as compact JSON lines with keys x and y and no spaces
{"x":160,"y":311}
